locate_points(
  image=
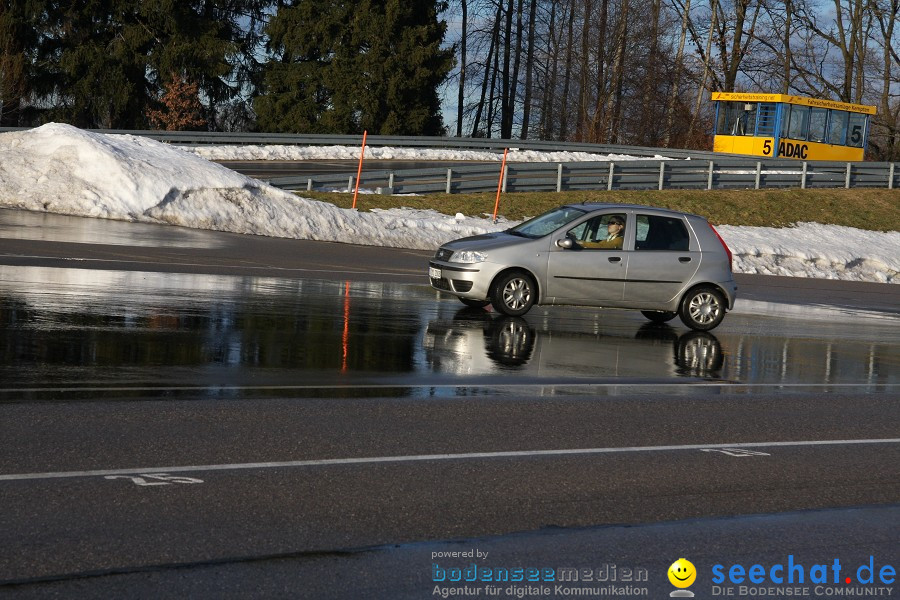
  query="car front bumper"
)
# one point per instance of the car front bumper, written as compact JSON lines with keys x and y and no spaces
{"x":466,"y":281}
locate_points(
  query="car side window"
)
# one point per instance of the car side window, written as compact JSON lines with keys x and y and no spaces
{"x":661,"y":233}
{"x":603,"y":232}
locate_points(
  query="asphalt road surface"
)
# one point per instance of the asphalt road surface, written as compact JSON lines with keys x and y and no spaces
{"x":196,"y":414}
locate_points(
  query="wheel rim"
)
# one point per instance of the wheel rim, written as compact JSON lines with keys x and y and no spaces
{"x":513,"y":339}
{"x":704,"y":308}
{"x":700,"y":355}
{"x":516,"y":294}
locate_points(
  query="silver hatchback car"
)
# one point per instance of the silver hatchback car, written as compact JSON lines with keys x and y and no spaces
{"x":661,"y":262}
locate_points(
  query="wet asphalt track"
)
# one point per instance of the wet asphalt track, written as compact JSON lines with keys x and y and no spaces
{"x":187,"y":413}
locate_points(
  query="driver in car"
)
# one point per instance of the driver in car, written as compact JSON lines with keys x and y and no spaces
{"x":615,"y":228}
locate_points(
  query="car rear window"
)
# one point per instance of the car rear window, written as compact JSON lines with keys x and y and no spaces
{"x":661,"y":233}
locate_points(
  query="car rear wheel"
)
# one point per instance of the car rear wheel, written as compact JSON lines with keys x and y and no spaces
{"x":702,"y":308}
{"x":474,"y":303}
{"x":514,"y":293}
{"x":659,"y":316}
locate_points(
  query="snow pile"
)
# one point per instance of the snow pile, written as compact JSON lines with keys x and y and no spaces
{"x":61,"y":169}
{"x":275,"y":152}
{"x":815,"y":250}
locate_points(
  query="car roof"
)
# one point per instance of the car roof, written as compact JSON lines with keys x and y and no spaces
{"x":614,"y":206}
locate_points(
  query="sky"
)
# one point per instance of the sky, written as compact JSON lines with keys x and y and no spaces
{"x":60,"y":169}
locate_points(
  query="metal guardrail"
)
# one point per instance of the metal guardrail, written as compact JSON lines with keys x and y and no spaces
{"x":696,"y":169}
{"x":727,"y":173}
{"x":199,"y":138}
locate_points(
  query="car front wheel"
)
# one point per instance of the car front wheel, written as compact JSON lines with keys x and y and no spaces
{"x":514,"y":294}
{"x":702,"y":308}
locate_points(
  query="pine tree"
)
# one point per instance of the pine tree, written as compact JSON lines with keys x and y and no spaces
{"x":342,"y":68}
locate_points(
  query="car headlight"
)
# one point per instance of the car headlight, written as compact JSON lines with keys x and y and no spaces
{"x":468,"y":257}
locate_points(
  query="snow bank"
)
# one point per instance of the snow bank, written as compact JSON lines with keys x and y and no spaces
{"x":815,"y":250}
{"x":276,"y":152}
{"x":61,"y":169}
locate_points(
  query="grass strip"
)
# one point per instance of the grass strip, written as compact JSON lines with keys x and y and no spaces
{"x":870,"y":209}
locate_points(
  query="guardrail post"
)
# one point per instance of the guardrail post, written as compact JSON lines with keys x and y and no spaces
{"x":559,"y":169}
{"x":891,"y":177}
{"x":505,"y":177}
{"x":758,"y":173}
{"x":847,"y":178}
{"x":709,"y":178}
{"x":803,"y":177}
{"x":449,"y":179}
{"x":309,"y":184}
{"x":662,"y":175}
{"x":391,"y":180}
{"x":350,"y":183}
{"x":612,"y":171}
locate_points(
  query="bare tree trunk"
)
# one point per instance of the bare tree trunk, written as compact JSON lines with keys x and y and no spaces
{"x":514,"y":84}
{"x":702,"y":91}
{"x":564,"y":113}
{"x":597,"y":134}
{"x":529,"y":70}
{"x":676,"y":78}
{"x":492,"y":98}
{"x":788,"y":56}
{"x":618,"y":74}
{"x":487,"y":74}
{"x":584,"y":85}
{"x":889,"y":116}
{"x":648,"y":115}
{"x":549,"y":96}
{"x":462,"y":68}
{"x":505,"y":83}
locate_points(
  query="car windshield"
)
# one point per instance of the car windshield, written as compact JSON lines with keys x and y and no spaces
{"x":548,"y":222}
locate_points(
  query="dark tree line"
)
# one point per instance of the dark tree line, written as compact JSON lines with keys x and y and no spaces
{"x":615,"y":71}
{"x":301,"y":65}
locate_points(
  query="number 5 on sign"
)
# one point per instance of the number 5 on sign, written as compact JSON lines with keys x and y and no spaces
{"x":158,"y":479}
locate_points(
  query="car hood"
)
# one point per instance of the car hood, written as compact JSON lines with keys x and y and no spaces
{"x":486,"y":241}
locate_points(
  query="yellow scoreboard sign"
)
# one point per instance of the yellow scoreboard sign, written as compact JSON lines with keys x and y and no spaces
{"x":786,"y":126}
{"x":787,"y":148}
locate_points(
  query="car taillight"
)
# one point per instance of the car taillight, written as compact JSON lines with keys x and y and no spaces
{"x":724,"y":245}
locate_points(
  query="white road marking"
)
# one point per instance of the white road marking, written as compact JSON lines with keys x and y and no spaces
{"x":368,"y":460}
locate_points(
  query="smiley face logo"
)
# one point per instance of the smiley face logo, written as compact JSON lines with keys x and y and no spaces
{"x":682,"y":573}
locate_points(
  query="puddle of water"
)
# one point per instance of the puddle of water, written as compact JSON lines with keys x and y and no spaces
{"x":65,"y":328}
{"x":28,"y":225}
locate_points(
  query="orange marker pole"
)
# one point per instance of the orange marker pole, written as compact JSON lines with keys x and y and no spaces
{"x":359,"y":170}
{"x":500,"y":183}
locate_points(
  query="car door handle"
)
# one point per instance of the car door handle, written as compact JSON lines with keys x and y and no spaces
{"x":615,"y":259}
{"x":684,"y":259}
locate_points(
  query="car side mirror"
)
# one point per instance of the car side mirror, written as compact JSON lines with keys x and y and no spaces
{"x":566,"y":243}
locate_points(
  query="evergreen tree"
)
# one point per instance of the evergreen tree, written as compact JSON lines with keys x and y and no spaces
{"x":104,"y":63}
{"x":17,"y":33}
{"x":92,"y":60}
{"x":341,"y":68}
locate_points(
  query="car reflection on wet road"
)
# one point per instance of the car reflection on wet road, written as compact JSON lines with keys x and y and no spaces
{"x":65,"y":331}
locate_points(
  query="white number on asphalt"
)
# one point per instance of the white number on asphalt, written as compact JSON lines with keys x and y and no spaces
{"x":158,"y":479}
{"x":736,"y":452}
